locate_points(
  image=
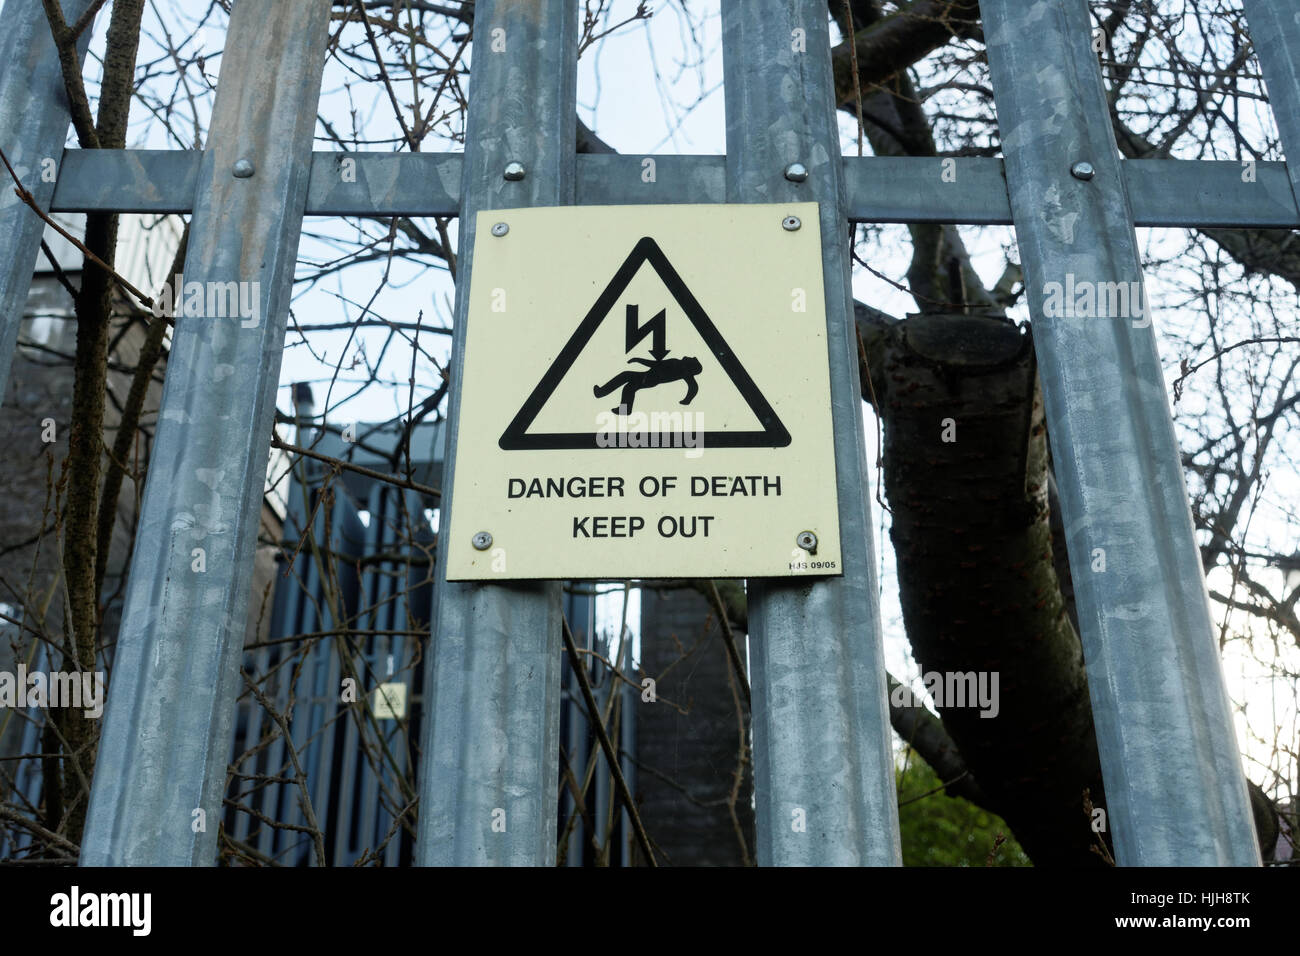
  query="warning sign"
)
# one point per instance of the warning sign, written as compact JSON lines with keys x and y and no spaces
{"x":645,"y":395}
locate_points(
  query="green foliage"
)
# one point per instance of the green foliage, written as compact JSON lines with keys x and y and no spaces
{"x":938,"y":830}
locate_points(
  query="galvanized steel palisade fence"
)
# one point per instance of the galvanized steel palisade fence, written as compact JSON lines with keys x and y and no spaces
{"x":490,"y":737}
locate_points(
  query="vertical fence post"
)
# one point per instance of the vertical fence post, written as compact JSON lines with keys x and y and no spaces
{"x":820,"y":717}
{"x":1275,"y":31}
{"x":175,"y":678}
{"x":490,"y":736}
{"x":1175,"y":789}
{"x":33,"y":124}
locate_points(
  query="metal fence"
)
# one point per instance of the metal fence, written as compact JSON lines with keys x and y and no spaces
{"x":491,"y":724}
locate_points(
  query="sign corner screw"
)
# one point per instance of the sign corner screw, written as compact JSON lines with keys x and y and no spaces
{"x":500,"y":229}
{"x":807,"y":540}
{"x":790,"y":223}
{"x":481,"y":541}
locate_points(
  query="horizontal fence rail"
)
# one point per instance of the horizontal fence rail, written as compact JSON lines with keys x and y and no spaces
{"x":1165,"y":192}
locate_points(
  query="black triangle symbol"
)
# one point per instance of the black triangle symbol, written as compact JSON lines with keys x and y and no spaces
{"x":772,"y":435}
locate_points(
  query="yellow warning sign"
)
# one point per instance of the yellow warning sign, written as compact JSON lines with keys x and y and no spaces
{"x":645,"y":394}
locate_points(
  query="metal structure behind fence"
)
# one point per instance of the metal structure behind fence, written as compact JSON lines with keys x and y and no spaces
{"x":355,"y":763}
{"x":491,"y":726}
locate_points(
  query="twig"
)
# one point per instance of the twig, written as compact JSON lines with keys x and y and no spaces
{"x":853,"y":62}
{"x":998,"y":840}
{"x":1100,"y":847}
{"x":880,"y":415}
{"x":65,"y":41}
{"x":411,"y":141}
{"x":358,"y":469}
{"x":1186,"y":369}
{"x":86,"y":19}
{"x":58,"y":270}
{"x":30,"y":201}
{"x":318,"y":840}
{"x":611,"y":756}
{"x":33,"y":827}
{"x":729,"y":640}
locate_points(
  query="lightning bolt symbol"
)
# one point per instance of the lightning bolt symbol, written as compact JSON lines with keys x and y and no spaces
{"x":654,"y":329}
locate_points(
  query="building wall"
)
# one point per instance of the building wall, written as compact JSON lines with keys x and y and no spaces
{"x":696,"y":751}
{"x":40,"y":388}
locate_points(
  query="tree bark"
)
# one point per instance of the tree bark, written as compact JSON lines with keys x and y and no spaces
{"x":83,"y":466}
{"x":966,"y":478}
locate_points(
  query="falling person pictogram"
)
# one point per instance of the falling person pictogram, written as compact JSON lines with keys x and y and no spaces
{"x":657,"y":372}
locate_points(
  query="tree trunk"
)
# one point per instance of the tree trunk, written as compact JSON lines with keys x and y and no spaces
{"x":965,"y":457}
